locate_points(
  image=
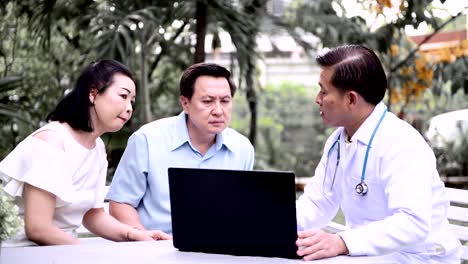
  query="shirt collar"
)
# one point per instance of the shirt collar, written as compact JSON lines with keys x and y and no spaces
{"x":181,"y":135}
{"x":180,"y":132}
{"x":224,"y":139}
{"x":364,"y":132}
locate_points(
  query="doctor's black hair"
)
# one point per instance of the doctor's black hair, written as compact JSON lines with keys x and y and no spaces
{"x":356,"y":68}
{"x":74,"y":108}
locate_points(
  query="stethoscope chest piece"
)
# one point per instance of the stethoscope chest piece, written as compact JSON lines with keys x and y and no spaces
{"x":361,"y":188}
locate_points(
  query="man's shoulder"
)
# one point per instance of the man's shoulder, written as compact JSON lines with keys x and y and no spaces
{"x":234,"y":136}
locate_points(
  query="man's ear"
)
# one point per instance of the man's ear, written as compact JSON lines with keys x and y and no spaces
{"x":93,"y":91}
{"x":184,"y":102}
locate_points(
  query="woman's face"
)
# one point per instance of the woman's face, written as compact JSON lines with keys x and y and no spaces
{"x":113,"y":108}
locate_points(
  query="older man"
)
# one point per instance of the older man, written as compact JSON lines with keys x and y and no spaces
{"x":199,"y":137}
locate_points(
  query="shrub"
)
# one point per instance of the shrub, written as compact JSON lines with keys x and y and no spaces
{"x":10,"y":222}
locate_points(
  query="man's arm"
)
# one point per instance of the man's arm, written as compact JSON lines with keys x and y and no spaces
{"x":126,"y":214}
{"x":250,"y":157}
{"x":128,"y":185}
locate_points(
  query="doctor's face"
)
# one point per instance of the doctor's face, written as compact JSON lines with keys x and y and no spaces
{"x":332,"y":101}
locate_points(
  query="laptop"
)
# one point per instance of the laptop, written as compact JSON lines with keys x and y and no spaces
{"x":246,"y":213}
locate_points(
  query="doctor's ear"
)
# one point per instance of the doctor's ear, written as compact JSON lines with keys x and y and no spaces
{"x":93,"y":91}
{"x":353,"y":98}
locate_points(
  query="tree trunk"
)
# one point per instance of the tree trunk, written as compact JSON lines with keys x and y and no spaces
{"x":254,"y":9}
{"x":251,"y":98}
{"x":143,"y":89}
{"x":201,"y":16}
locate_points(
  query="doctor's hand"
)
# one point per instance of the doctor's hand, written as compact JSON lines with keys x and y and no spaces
{"x":317,"y":244}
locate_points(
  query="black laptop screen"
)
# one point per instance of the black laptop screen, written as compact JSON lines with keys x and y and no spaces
{"x":233,"y":212}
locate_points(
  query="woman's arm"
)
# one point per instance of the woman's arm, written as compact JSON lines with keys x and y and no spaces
{"x":39,"y":207}
{"x":102,"y":224}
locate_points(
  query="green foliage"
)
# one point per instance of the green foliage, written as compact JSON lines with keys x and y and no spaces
{"x":10,"y":222}
{"x":35,"y":75}
{"x":328,"y":20}
{"x":44,"y":45}
{"x":454,"y":73}
{"x":47,"y":43}
{"x":165,"y":86}
{"x":320,"y":19}
{"x":451,"y":159}
{"x":444,"y":100}
{"x":290,"y":131}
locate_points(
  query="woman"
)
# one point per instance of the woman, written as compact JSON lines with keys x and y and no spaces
{"x":58,"y":173}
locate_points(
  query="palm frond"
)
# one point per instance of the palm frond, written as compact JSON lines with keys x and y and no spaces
{"x":9,"y":83}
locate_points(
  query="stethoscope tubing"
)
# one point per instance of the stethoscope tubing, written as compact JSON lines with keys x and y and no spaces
{"x":361,"y":188}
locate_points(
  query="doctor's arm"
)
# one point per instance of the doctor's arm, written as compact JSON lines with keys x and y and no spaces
{"x":316,"y":207}
{"x":315,"y":210}
{"x":128,"y":185}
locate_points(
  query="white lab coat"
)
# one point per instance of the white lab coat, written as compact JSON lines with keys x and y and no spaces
{"x":405,"y":208}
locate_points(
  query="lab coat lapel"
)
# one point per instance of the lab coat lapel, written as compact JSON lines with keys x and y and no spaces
{"x":361,"y":138}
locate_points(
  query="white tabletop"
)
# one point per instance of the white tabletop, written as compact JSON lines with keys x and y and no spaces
{"x":103,"y":251}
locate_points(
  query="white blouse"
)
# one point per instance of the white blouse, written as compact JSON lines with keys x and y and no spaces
{"x":75,"y":175}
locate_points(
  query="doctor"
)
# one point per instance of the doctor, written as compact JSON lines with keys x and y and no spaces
{"x":376,"y":168}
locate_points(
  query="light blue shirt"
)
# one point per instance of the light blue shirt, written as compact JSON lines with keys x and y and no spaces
{"x":141,"y":178}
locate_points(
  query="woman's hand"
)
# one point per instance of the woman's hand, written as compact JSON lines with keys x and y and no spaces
{"x":145,"y":235}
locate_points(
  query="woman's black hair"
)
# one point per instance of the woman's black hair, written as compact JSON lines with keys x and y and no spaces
{"x":74,"y":108}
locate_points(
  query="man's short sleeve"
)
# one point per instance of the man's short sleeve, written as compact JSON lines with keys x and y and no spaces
{"x":250,"y":157}
{"x":129,"y":181}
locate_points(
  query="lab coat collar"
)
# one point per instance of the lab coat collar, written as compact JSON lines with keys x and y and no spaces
{"x":364,"y":132}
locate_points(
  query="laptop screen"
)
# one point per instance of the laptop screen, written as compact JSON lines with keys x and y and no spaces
{"x":249,"y":213}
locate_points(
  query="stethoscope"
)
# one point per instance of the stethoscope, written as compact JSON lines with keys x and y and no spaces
{"x":361,"y":188}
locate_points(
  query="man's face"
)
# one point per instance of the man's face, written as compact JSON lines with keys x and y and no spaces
{"x":209,"y":110}
{"x":332,"y":102}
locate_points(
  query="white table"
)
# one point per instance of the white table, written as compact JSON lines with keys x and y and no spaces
{"x":103,"y":251}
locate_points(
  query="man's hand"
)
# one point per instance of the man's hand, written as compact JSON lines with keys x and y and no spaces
{"x":318,"y":244}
